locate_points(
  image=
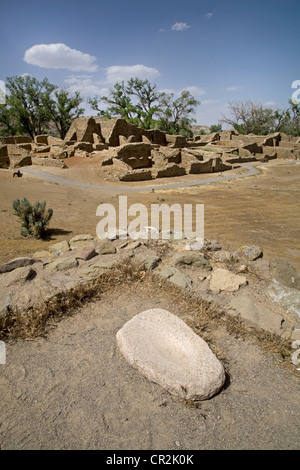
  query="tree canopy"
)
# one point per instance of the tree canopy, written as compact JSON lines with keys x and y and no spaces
{"x":140,"y":103}
{"x":32,"y":105}
{"x":250,"y":117}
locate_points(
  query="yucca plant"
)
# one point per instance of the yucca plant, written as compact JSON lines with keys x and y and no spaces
{"x":34,"y":219}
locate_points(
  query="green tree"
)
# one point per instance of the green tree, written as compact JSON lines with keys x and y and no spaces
{"x":25,"y":111}
{"x":63,"y":109}
{"x":215,"y":128}
{"x":140,"y":103}
{"x":120,"y":104}
{"x":175,"y":114}
{"x":32,"y":105}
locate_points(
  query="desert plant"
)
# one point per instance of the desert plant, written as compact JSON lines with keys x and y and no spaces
{"x":35,"y":219}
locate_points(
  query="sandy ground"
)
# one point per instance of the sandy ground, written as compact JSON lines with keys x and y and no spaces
{"x":260,"y":210}
{"x":74,"y":390}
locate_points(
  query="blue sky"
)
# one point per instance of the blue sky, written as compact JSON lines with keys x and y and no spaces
{"x":221,"y":50}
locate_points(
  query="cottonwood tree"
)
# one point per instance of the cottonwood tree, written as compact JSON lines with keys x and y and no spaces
{"x":140,"y":103}
{"x":176,"y":114}
{"x":250,"y":117}
{"x":33,"y":105}
{"x":62,"y":109}
{"x":24,"y":112}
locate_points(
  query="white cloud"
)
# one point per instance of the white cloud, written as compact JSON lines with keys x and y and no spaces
{"x":117,"y":73}
{"x":234,"y":88}
{"x":60,"y":56}
{"x":205,"y":102}
{"x":180,"y":27}
{"x":209,"y":15}
{"x":85,"y":85}
{"x":194,"y":90}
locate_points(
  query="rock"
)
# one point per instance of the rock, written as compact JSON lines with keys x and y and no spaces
{"x":284,"y":273}
{"x":62,"y":264}
{"x":288,"y":297}
{"x":176,"y":277}
{"x":212,"y":245}
{"x":43,"y":254}
{"x":80,"y":240}
{"x":19,"y":275}
{"x":107,"y":248}
{"x":224,"y":280}
{"x":222,"y":256}
{"x":17,"y":263}
{"x":196,"y":245}
{"x":98,"y":267}
{"x":148,"y":261}
{"x":86,"y":253}
{"x":251,"y":253}
{"x":191,"y":258}
{"x":62,"y":247}
{"x":172,"y":355}
{"x":257,"y":313}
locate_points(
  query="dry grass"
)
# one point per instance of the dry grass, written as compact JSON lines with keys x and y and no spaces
{"x":202,"y":316}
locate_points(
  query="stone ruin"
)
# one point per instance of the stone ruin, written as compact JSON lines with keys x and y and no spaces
{"x":130,"y":153}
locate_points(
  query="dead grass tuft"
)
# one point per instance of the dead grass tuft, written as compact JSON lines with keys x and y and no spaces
{"x":203,"y":316}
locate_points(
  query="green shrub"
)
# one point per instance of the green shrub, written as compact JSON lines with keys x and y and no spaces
{"x":35,"y":219}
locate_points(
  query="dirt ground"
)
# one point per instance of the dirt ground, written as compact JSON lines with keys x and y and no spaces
{"x":260,"y":209}
{"x":74,"y":390}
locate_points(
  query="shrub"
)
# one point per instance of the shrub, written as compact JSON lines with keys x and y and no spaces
{"x":35,"y":219}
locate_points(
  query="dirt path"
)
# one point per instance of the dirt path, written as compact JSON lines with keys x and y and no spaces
{"x":74,"y":390}
{"x":45,"y":175}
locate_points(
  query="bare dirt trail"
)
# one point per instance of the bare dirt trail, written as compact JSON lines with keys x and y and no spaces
{"x":74,"y":390}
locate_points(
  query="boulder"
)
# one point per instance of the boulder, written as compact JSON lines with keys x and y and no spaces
{"x":248,"y":308}
{"x":62,"y":247}
{"x":17,"y":263}
{"x":251,"y":253}
{"x":62,"y":264}
{"x":97,"y":267}
{"x":86,"y":253}
{"x":191,"y":258}
{"x":148,"y":261}
{"x":224,"y":280}
{"x":285,"y":273}
{"x":172,"y":355}
{"x":176,"y":277}
{"x":80,"y":240}
{"x":17,"y":276}
{"x":106,"y":248}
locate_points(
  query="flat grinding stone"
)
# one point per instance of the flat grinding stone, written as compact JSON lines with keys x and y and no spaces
{"x":166,"y":351}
